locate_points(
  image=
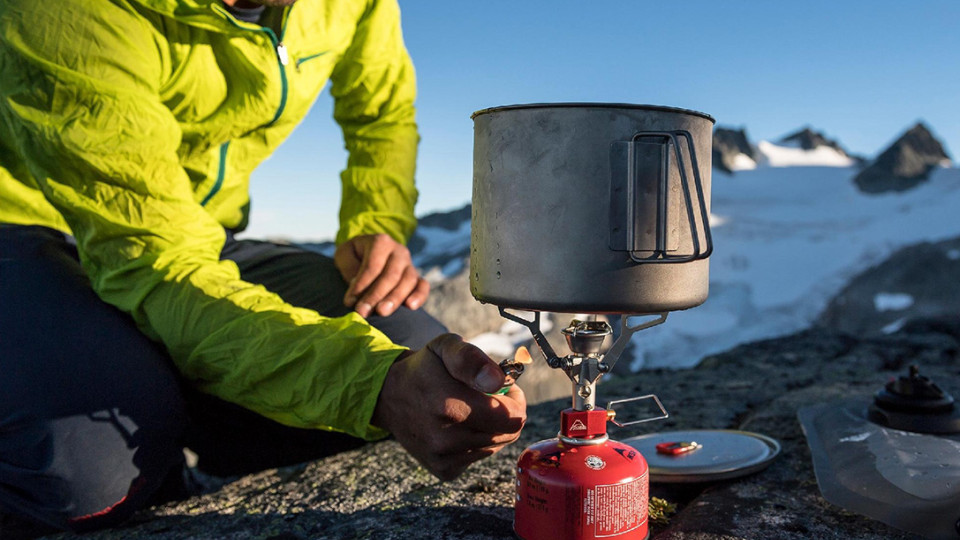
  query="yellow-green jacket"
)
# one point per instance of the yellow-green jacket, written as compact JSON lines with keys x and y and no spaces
{"x":134,"y":125}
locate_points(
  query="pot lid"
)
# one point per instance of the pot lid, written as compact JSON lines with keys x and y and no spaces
{"x":574,"y":104}
{"x":704,"y":455}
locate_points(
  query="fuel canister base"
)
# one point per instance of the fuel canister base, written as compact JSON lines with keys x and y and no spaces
{"x":581,"y":492}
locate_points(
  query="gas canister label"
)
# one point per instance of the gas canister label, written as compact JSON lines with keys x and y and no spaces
{"x":616,"y":509}
{"x":595,"y":462}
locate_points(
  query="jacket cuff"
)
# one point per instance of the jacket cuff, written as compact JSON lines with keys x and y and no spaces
{"x":375,"y":201}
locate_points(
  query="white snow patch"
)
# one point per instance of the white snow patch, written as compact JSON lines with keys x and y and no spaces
{"x":434,"y":275}
{"x":504,"y":343}
{"x":708,"y":322}
{"x":441,"y":242}
{"x":892,"y":301}
{"x":786,"y":241}
{"x":780,"y":155}
{"x":856,"y":438}
{"x":953,"y":254}
{"x":494,"y":344}
{"x":717,"y":221}
{"x":743,"y":162}
{"x":895,"y":326}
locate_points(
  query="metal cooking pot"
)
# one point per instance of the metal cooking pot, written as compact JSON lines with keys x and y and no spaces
{"x":591,"y":208}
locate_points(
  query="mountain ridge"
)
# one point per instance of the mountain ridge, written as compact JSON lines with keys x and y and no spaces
{"x":904,"y":164}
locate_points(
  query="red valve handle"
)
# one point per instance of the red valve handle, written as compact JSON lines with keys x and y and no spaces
{"x":677,"y":447}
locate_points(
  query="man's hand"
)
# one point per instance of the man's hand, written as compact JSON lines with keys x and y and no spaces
{"x":435,"y":403}
{"x":379,"y":274}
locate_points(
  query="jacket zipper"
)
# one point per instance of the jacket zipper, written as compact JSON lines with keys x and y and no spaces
{"x":283,"y":57}
{"x":306,"y":58}
{"x":221,"y":172}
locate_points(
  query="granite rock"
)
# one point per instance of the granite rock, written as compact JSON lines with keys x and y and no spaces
{"x":904,"y":164}
{"x":729,"y":143}
{"x":378,"y":491}
{"x":809,"y":139}
{"x":916,"y":281}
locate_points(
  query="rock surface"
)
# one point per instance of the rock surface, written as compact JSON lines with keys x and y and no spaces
{"x":727,"y":145}
{"x":809,"y":139}
{"x":922,"y":280}
{"x":906,"y":163}
{"x":380,"y":492}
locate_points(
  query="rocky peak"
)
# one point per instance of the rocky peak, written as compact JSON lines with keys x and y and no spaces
{"x":809,"y":139}
{"x":905,"y":164}
{"x":728,"y":143}
{"x":450,"y":220}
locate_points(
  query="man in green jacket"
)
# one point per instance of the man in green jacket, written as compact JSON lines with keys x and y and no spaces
{"x":132,"y":322}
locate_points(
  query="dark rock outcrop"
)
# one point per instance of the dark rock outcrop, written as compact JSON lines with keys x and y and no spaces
{"x":905,"y":164}
{"x":809,"y":139}
{"x":924,"y":277}
{"x":451,"y":221}
{"x":728,"y":143}
{"x":379,"y":492}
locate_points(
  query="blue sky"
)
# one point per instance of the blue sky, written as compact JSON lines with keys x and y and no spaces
{"x":860,"y":71}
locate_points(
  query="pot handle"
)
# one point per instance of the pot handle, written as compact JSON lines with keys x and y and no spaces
{"x":624,"y":225}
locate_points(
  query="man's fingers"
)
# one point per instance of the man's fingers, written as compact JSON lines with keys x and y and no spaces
{"x":391,"y":277}
{"x":347,"y":259}
{"x":479,"y":414}
{"x":516,"y":394}
{"x":435,"y":403}
{"x":371,"y":266}
{"x":467,"y":364}
{"x":496,"y":414}
{"x":419,"y":295}
{"x":395,"y":298}
{"x":380,"y":275}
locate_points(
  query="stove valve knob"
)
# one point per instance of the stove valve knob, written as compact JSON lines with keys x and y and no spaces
{"x":513,"y":368}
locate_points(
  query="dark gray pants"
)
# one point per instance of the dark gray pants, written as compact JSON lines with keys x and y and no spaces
{"x":93,"y":416}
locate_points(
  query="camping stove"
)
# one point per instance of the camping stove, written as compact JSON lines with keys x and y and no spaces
{"x":588,"y":208}
{"x":582,"y":485}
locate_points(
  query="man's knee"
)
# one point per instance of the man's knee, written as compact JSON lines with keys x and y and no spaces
{"x":87,"y":470}
{"x":407,"y":327}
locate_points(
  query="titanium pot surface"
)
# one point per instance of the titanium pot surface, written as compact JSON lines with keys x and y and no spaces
{"x":591,"y":208}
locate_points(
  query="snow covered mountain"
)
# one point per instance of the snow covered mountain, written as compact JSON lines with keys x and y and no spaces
{"x":791,"y":228}
{"x":787,"y":240}
{"x":803,"y":148}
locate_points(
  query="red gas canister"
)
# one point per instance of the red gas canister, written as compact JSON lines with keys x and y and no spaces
{"x":573,"y":488}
